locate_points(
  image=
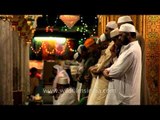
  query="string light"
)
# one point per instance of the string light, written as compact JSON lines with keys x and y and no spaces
{"x":94,"y":29}
{"x":83,"y":29}
{"x":46,"y":50}
{"x":36,"y":52}
{"x":54,"y":50}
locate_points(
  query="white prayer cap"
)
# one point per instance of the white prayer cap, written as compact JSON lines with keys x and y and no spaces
{"x":63,"y":80}
{"x":102,"y":37}
{"x":112,"y":24}
{"x":75,"y":56}
{"x":79,"y":49}
{"x":124,"y":19}
{"x":127,"y":28}
{"x":58,"y":68}
{"x":98,"y":41}
{"x":114,"y":33}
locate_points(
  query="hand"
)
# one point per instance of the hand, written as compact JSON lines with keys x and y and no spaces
{"x":95,"y":72}
{"x":87,"y":77}
{"x":92,"y":68}
{"x":106,"y":75}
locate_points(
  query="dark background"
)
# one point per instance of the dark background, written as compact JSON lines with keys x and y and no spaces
{"x":87,"y":7}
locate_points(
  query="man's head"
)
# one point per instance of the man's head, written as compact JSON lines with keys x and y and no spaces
{"x":123,"y":20}
{"x":56,"y":69}
{"x":114,"y":34}
{"x":110,"y":26}
{"x":127,"y":33}
{"x":62,"y":83}
{"x":90,"y":44}
{"x":82,"y":50}
{"x":33,"y":71}
{"x":103,"y":41}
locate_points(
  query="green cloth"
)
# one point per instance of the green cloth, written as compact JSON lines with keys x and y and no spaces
{"x":83,"y":101}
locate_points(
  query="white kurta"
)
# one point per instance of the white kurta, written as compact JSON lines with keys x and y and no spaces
{"x":68,"y":97}
{"x":99,"y":85}
{"x":126,"y":73}
{"x":61,"y":73}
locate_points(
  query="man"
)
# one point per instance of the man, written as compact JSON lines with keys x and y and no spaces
{"x":91,"y":58}
{"x":81,"y":58}
{"x":77,"y":57}
{"x":111,"y":98}
{"x":59,"y":72}
{"x":99,"y":85}
{"x":65,"y":94}
{"x":144,"y":87}
{"x":127,"y":69}
{"x":34,"y":81}
{"x":114,"y":34}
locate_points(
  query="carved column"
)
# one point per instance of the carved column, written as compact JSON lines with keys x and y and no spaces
{"x":101,"y":24}
{"x":6,"y":63}
{"x":24,"y":68}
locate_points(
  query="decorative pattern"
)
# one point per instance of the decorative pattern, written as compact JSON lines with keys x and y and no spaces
{"x":152,"y":37}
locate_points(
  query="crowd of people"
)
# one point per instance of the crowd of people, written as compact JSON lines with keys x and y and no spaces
{"x":109,"y":69}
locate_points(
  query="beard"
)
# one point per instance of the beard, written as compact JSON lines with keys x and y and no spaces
{"x":125,"y":40}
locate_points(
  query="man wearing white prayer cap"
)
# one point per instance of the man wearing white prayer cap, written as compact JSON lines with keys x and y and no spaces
{"x":104,"y":39}
{"x":111,"y":98}
{"x":111,"y":25}
{"x":114,"y":34}
{"x":124,"y":19}
{"x":99,"y":83}
{"x":82,"y":50}
{"x":145,"y":100}
{"x":126,"y":71}
{"x":127,"y":30}
{"x":65,"y":94}
{"x":59,"y":71}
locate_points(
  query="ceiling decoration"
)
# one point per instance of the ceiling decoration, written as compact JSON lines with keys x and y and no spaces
{"x":69,"y":20}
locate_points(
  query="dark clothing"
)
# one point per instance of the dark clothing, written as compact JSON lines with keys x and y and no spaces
{"x":40,"y":87}
{"x":34,"y":83}
{"x":144,"y":84}
{"x":72,"y":82}
{"x":86,"y":83}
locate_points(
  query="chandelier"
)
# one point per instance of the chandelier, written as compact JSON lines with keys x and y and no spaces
{"x":69,"y":20}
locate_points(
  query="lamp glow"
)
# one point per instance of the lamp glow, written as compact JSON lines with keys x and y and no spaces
{"x":58,"y":40}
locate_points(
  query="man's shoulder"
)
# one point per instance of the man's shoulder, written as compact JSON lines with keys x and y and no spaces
{"x":139,"y":36}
